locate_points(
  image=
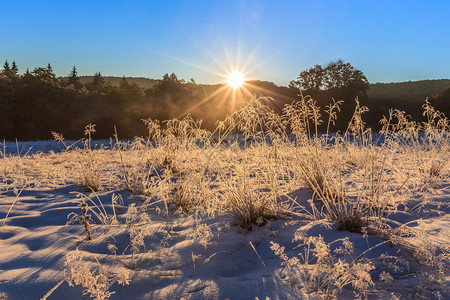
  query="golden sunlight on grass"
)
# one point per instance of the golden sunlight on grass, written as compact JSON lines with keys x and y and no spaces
{"x":235,"y":79}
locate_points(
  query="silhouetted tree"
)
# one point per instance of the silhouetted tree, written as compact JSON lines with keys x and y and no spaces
{"x":99,"y":85}
{"x":11,"y":72}
{"x":341,"y":79}
{"x":169,"y":84}
{"x":130,"y":90}
{"x":14,"y":69}
{"x":45,"y":75}
{"x":6,"y":71}
{"x":73,"y":79}
{"x":311,"y":81}
{"x":345,"y":79}
{"x":6,"y":97}
{"x":27,"y":77}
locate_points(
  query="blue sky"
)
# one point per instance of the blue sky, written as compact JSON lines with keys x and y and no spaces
{"x":388,"y":40}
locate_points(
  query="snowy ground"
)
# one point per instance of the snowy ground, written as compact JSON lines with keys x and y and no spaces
{"x":33,"y":147}
{"x":165,"y":222}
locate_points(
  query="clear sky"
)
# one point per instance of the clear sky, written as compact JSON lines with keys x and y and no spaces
{"x":389,"y":41}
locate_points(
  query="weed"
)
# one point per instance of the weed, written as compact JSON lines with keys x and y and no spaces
{"x":97,"y":209}
{"x":96,"y":281}
{"x":203,"y":234}
{"x":137,"y":221}
{"x":319,"y":269}
{"x":249,"y":205}
{"x":85,"y":218}
{"x":434,"y":260}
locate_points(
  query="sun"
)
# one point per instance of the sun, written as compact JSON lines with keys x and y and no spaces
{"x":235,"y":79}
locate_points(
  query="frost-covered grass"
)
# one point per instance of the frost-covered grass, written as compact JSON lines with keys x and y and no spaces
{"x":187,"y":213}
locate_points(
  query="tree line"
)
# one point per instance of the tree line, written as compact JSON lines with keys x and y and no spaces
{"x":36,"y":102}
{"x":339,"y":80}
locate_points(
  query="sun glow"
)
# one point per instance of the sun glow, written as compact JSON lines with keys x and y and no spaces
{"x":237,"y":74}
{"x":235,"y":79}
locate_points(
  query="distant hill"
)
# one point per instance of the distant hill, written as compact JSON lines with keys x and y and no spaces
{"x":411,"y":91}
{"x":402,"y":93}
{"x":145,"y":82}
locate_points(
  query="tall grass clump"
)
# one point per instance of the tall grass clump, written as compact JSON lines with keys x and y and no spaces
{"x":318,"y":268}
{"x":96,"y":280}
{"x":89,"y":168}
{"x":425,"y":143}
{"x":249,"y":204}
{"x":87,"y":160}
{"x":319,"y":161}
{"x":251,"y":191}
{"x":355,"y":179}
{"x":92,"y":206}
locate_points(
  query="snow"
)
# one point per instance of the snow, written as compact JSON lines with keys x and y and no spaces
{"x":176,"y":255}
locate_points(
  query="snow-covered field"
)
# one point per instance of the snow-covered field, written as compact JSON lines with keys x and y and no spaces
{"x":190,"y":216}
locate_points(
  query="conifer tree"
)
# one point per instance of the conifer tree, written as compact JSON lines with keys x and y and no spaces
{"x":98,"y":84}
{"x":6,"y":71}
{"x":27,"y":77}
{"x":124,"y":84}
{"x":27,"y":73}
{"x":73,"y":78}
{"x":14,"y":69}
{"x":50,"y":71}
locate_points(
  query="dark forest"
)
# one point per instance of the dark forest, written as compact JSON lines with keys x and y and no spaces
{"x":37,"y":102}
